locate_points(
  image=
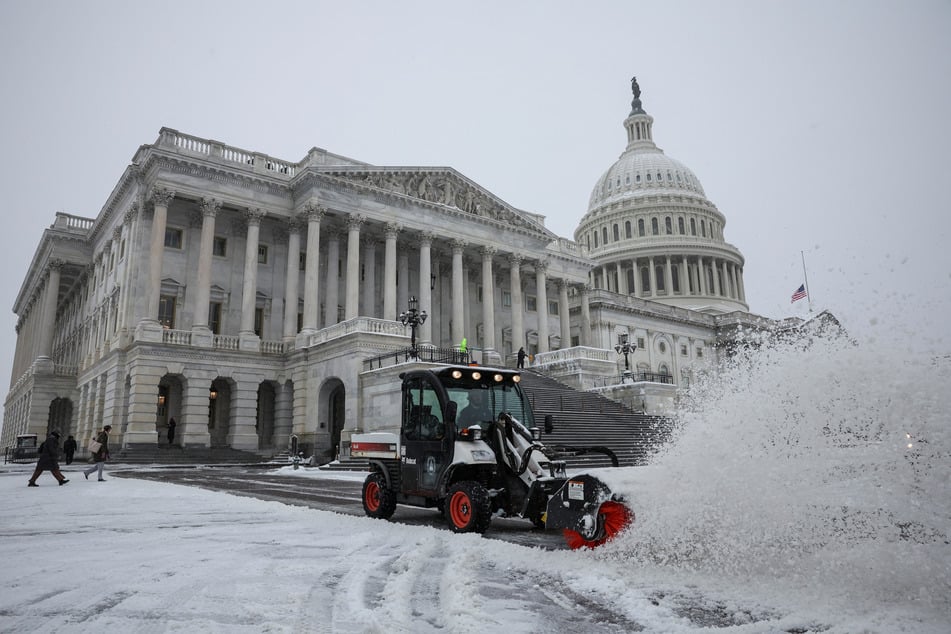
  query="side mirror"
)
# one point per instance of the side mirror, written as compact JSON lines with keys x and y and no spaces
{"x":549,"y":423}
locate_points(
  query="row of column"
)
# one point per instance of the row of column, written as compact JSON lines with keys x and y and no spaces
{"x":695,"y":276}
{"x":312,"y":216}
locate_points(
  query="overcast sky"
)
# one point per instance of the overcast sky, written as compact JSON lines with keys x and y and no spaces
{"x":813,"y":126}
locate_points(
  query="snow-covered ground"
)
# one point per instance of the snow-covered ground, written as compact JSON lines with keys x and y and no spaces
{"x":803,"y":493}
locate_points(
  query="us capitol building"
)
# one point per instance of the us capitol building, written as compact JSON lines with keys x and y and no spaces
{"x":253,"y":298}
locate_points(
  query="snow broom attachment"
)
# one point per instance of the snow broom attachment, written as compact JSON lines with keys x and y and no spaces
{"x":588,"y":512}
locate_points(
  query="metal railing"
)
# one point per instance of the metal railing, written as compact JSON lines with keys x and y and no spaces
{"x":426,"y":354}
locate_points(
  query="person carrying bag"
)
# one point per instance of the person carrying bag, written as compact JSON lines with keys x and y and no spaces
{"x":99,"y":448}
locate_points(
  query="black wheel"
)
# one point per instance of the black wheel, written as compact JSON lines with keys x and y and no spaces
{"x":378,"y":501}
{"x":467,"y":507}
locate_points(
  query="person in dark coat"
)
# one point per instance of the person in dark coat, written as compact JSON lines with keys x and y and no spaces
{"x":521,"y":358}
{"x":100,"y":456}
{"x":49,"y":460}
{"x":69,"y":448}
{"x":171,"y":430}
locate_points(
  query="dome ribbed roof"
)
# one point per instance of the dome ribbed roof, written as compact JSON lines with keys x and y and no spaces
{"x":644,"y":171}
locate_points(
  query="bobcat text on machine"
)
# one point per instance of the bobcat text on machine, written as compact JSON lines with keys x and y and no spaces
{"x":468,"y":446}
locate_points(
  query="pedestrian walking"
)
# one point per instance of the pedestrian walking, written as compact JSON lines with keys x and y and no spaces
{"x":48,"y":460}
{"x":521,"y":358}
{"x":69,"y":448}
{"x":101,"y":454}
{"x":171,"y":430}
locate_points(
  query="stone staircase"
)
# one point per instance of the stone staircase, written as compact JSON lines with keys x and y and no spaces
{"x":586,"y":419}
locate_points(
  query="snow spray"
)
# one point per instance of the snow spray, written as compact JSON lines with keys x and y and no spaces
{"x":826,"y":462}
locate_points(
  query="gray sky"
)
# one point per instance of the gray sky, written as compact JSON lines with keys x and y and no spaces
{"x":812,"y":125}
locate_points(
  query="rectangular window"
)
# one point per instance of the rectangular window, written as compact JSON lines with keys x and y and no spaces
{"x":531,"y":303}
{"x":699,"y":353}
{"x":506,"y":299}
{"x":302,"y":262}
{"x":258,"y":321}
{"x":640,"y":342}
{"x":214,"y":317}
{"x":166,"y":314}
{"x":683,"y":350}
{"x":552,"y":308}
{"x":219,"y":247}
{"x":262,"y":254}
{"x":479,"y":294}
{"x":173,"y":238}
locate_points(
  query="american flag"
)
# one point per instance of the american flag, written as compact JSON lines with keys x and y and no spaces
{"x":800,"y":293}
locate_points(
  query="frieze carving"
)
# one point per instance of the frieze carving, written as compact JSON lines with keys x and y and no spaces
{"x":210,"y":207}
{"x":440,"y":188}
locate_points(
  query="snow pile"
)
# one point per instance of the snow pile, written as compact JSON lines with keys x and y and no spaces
{"x":825,"y":466}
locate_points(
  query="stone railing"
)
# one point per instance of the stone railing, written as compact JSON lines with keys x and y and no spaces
{"x":572,"y":354}
{"x":367,"y":325}
{"x":219,"y":342}
{"x":76,"y":224}
{"x":257,"y":162}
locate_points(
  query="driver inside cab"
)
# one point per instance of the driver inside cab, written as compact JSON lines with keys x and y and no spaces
{"x":477,"y":411}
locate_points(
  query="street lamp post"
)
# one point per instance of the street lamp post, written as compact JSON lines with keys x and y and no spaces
{"x":414,"y":318}
{"x":626,"y":348}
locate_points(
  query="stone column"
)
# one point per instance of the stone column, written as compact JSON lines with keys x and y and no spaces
{"x":402,"y":291}
{"x":369,"y":278}
{"x":668,"y":277}
{"x":160,"y":201}
{"x":283,"y":416}
{"x":425,"y":333}
{"x":331,"y":296}
{"x":200,"y":326}
{"x":637,"y":278}
{"x":740,"y":286}
{"x":243,"y":415}
{"x":352,"y":304}
{"x":389,"y":272}
{"x":621,"y":280}
{"x":702,"y":272}
{"x":585,"y":316}
{"x":193,"y":426}
{"x":313,"y":213}
{"x":292,"y":279}
{"x":489,"y":353}
{"x":248,"y":339}
{"x":564,"y":314}
{"x":684,"y":277}
{"x":716,"y":278}
{"x":143,"y":396}
{"x":727,"y":291}
{"x":49,"y":311}
{"x":458,"y":293}
{"x":518,"y":314}
{"x":541,"y":283}
{"x":652,"y":276}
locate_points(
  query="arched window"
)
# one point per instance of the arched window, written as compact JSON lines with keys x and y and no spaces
{"x":659,"y":274}
{"x":703,"y":229}
{"x":588,"y":241}
{"x":640,"y":227}
{"x":604,"y":235}
{"x":645,"y":279}
{"x":693,"y":227}
{"x":617,"y":235}
{"x":654,"y":229}
{"x":668,"y":225}
{"x":675,"y":278}
{"x":680,"y":225}
{"x":627,"y":229}
{"x":595,"y":239}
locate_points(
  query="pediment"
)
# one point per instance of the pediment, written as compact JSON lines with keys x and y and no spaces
{"x":440,"y":187}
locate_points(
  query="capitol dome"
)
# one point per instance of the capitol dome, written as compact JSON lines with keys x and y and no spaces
{"x":653,"y":232}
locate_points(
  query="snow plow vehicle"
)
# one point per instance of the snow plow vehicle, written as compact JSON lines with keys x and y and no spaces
{"x":468,"y":446}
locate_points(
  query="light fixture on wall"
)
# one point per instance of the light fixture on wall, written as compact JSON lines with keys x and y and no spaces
{"x":161,"y":400}
{"x":212,"y":394}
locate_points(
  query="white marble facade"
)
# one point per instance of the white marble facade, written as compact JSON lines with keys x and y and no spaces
{"x":243,"y":294}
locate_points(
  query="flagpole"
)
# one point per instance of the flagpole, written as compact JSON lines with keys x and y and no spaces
{"x":806,"y":279}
